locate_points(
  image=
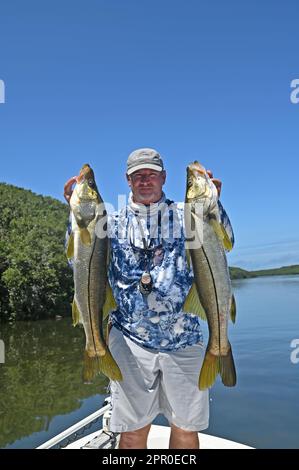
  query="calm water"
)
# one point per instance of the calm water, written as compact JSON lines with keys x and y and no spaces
{"x":41,"y":390}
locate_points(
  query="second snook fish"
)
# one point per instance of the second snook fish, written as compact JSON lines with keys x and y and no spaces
{"x":206,"y":240}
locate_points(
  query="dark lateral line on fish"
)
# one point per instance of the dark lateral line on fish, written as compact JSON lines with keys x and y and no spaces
{"x":215,"y":296}
{"x":102,"y":338}
{"x":88,"y":286}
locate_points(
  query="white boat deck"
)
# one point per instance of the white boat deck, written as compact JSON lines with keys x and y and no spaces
{"x":104,"y":439}
{"x":158,"y":439}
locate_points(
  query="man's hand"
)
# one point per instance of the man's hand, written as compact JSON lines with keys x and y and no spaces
{"x":217,"y":183}
{"x":68,"y":188}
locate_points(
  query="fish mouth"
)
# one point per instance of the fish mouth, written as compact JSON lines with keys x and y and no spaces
{"x":87,"y":190}
{"x":196,"y":181}
{"x":86,"y":193}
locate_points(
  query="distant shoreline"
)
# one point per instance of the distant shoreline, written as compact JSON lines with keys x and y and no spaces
{"x":239,"y":273}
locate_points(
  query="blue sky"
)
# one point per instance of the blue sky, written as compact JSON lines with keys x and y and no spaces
{"x":90,"y":81}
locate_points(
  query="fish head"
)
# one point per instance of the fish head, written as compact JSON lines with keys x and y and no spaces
{"x":199,"y":185}
{"x":85,"y":200}
{"x":86,"y":188}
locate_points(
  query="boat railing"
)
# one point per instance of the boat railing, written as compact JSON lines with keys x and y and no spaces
{"x":76,"y":428}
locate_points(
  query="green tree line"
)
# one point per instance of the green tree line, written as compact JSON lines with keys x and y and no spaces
{"x":35,"y":280}
{"x":239,"y":273}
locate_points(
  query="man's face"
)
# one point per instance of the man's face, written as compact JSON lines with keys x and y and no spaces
{"x":146,"y":185}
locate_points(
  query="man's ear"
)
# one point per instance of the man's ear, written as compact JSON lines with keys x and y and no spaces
{"x":129,"y":180}
{"x":164,"y":176}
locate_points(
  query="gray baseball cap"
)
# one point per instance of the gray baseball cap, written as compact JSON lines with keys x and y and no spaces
{"x":144,"y":158}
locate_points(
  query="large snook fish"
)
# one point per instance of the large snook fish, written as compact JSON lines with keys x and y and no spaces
{"x":205,"y":241}
{"x":88,"y":246}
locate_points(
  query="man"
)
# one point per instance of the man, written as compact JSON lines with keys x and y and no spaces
{"x":158,"y":347}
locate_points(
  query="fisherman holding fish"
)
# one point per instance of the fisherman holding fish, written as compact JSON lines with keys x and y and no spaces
{"x":155,"y":338}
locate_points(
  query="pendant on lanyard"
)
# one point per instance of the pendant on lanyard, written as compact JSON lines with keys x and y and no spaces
{"x":146,"y":283}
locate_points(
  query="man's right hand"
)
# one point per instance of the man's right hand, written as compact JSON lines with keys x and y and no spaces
{"x":68,"y":188}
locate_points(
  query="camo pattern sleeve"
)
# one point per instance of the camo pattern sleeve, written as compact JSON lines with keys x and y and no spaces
{"x":154,"y":321}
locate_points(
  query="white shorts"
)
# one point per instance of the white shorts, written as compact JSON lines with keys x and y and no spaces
{"x":157,"y":382}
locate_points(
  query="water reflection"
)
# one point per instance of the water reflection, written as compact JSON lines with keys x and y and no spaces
{"x":41,"y":386}
{"x":41,"y":376}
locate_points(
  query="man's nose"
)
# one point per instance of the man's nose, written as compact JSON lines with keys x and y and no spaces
{"x":145,"y":178}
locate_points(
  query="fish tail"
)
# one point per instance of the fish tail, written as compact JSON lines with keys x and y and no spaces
{"x":109,"y":367}
{"x":209,"y":371}
{"x":92,"y":365}
{"x":228,"y":370}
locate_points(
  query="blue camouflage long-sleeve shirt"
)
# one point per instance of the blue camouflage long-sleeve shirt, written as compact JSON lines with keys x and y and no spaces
{"x":155,"y":321}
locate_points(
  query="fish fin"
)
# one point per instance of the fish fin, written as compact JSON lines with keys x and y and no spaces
{"x":233,"y":309}
{"x":228,"y":370}
{"x":85,"y":236}
{"x":217,"y":228}
{"x":109,"y":367}
{"x":221,"y":234}
{"x":75,"y":314}
{"x":100,"y":364}
{"x":226,"y":241}
{"x":192,"y":303}
{"x":209,"y":371}
{"x":110,"y":302}
{"x":226,"y":223}
{"x":70,"y":247}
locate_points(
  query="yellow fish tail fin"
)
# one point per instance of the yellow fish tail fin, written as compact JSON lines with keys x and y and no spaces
{"x":108,"y":366}
{"x":90,"y":367}
{"x":93,"y":365}
{"x":228,"y":370}
{"x":209,"y":371}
